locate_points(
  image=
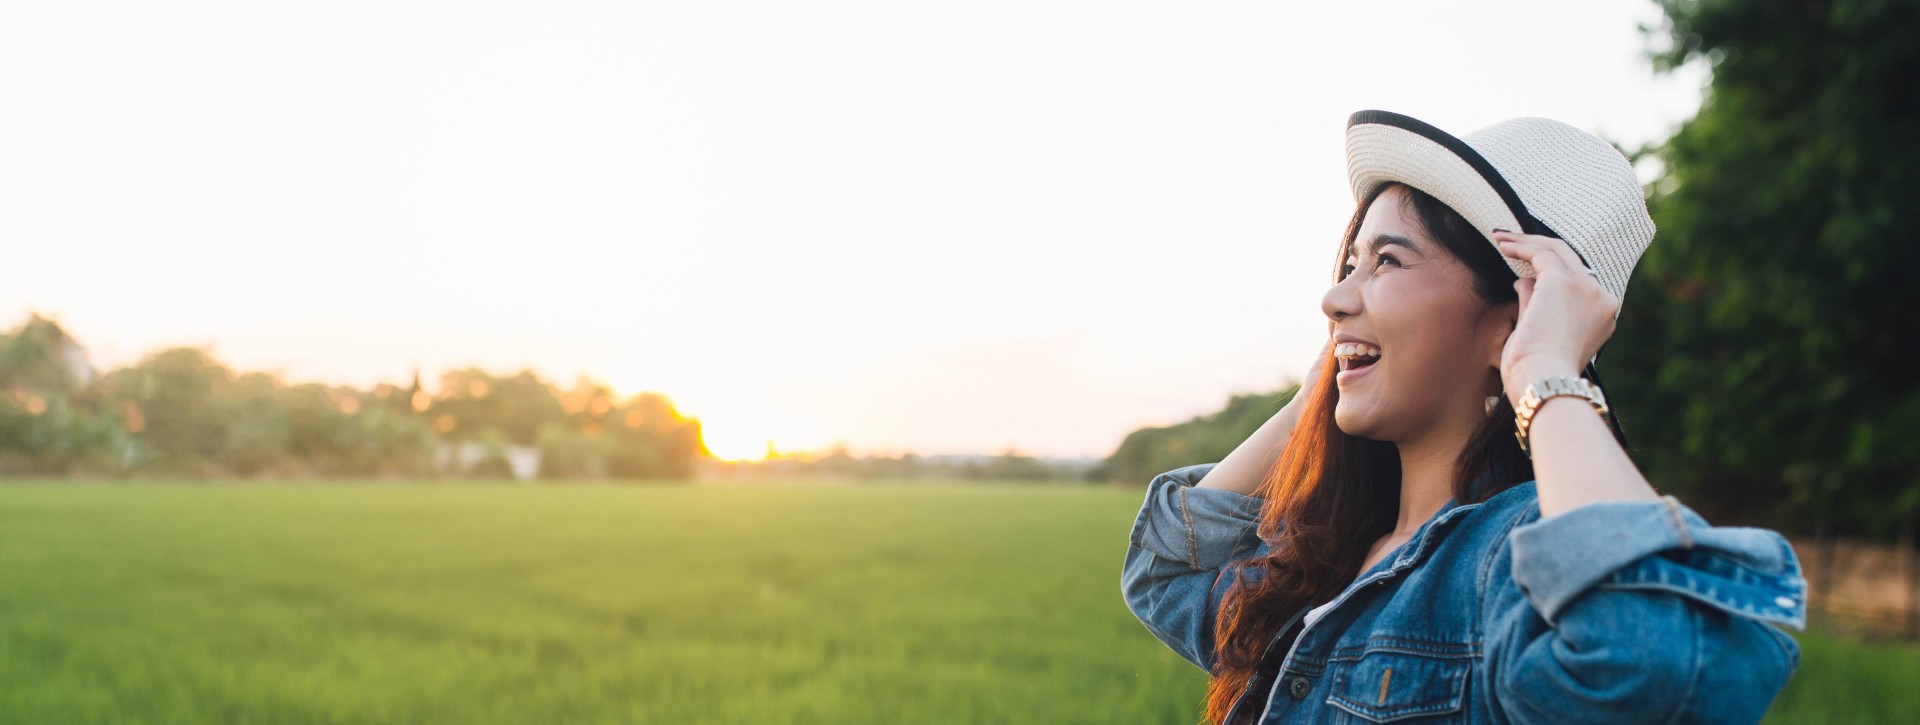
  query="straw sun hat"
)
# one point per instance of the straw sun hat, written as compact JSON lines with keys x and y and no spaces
{"x":1530,"y":175}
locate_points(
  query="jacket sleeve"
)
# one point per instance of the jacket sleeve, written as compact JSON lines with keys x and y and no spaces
{"x":1173,"y":576}
{"x":1640,"y":611}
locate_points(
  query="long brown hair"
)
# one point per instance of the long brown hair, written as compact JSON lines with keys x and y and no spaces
{"x":1332,"y":495}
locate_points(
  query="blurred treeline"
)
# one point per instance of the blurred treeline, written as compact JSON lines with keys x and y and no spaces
{"x":1203,"y":439}
{"x":179,"y":412}
{"x":1762,"y":368}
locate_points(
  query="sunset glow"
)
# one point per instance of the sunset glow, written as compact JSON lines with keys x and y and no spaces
{"x":731,"y":448}
{"x":1014,"y":226}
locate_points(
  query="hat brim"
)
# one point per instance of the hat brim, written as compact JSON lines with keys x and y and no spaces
{"x":1383,"y":147}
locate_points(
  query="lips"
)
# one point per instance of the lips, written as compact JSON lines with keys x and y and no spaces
{"x":1356,"y":359}
{"x":1347,"y":376}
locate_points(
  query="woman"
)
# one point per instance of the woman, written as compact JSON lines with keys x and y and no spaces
{"x":1444,"y":525}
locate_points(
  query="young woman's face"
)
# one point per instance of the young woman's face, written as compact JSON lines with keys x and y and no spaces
{"x":1439,"y":343}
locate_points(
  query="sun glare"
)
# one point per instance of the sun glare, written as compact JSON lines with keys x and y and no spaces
{"x":737,"y":447}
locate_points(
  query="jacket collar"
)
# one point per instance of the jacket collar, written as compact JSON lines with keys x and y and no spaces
{"x":1436,"y":527}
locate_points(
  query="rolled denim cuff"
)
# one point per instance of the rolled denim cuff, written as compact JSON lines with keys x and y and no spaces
{"x":1203,"y":527}
{"x":1659,"y":544}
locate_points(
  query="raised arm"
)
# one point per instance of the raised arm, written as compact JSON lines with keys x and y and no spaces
{"x":1564,"y":317}
{"x":1243,"y":469}
{"x":1616,"y":604}
{"x":1175,"y":572}
{"x":1194,"y":522}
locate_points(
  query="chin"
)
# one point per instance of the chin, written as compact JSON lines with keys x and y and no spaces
{"x":1351,"y":422}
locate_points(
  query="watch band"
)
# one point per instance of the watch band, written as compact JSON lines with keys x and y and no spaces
{"x":1551,"y":387}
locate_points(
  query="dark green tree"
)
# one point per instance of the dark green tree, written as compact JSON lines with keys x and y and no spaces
{"x":1765,"y":348}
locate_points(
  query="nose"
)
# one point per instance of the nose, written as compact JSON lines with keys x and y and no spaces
{"x":1342,"y":300}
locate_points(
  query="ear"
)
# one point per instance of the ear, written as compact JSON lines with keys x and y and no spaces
{"x":1497,"y":324}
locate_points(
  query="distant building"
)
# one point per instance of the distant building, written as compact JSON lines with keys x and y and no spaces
{"x":468,"y":457}
{"x":73,"y":357}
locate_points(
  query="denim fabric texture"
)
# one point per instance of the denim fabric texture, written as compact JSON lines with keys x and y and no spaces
{"x":1616,"y":612}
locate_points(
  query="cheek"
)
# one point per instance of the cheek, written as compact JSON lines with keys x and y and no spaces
{"x":1399,"y":324}
{"x":1428,"y":360}
{"x":1424,"y":344}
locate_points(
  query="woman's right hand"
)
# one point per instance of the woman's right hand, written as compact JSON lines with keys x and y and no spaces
{"x":1313,"y":371}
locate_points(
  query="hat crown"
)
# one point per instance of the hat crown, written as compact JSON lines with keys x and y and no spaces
{"x":1577,"y":184}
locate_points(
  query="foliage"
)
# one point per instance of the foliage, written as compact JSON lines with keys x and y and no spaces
{"x":1763,"y":347}
{"x":181,"y":412}
{"x":53,"y":419}
{"x":1202,"y":439}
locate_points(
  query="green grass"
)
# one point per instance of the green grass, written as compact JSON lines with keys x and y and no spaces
{"x":589,"y":603}
{"x":596,"y":603}
{"x":1845,"y":680}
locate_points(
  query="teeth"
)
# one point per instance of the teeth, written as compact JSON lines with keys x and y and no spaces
{"x":1355,"y":349}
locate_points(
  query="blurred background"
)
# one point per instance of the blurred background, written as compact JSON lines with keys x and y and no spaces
{"x":805,"y":362}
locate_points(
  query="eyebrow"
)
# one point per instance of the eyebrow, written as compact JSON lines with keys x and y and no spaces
{"x":1382,"y":240}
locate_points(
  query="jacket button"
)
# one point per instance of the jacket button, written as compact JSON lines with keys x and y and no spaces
{"x":1299,"y":687}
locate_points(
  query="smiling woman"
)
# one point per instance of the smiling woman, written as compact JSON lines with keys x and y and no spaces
{"x":1405,"y":559}
{"x":1421,"y":286}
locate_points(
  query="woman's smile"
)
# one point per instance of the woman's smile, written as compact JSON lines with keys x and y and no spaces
{"x":1352,"y":374}
{"x":1354,"y":359}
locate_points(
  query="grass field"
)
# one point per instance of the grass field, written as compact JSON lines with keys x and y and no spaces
{"x":301,"y":603}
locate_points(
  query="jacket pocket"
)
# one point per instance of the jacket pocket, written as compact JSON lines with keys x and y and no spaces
{"x":1396,"y":686}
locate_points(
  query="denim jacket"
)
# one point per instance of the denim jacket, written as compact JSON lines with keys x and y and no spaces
{"x":1612,"y":612}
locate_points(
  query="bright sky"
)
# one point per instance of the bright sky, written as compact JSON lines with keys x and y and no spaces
{"x":897,"y":226}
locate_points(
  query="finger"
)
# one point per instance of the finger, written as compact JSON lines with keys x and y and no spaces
{"x":1558,"y":247}
{"x":1511,"y":245}
{"x":1522,"y":236}
{"x":1326,"y":354}
{"x":1564,"y":250}
{"x":1558,"y":255}
{"x":1524,"y":286}
{"x":1535,"y":253}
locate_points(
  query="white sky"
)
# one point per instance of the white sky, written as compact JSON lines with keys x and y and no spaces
{"x":899,"y":226}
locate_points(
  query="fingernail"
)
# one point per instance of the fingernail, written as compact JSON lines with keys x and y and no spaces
{"x":1498,"y":229}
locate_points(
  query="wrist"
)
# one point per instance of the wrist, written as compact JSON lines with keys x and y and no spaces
{"x":1527,"y":372}
{"x":1537,"y":394}
{"x":1289,"y":415}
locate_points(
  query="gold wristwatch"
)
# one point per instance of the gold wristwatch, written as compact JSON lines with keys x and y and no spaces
{"x":1550,"y":387}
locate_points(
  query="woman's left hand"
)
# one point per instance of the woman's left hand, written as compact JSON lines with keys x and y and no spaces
{"x":1565,"y":315}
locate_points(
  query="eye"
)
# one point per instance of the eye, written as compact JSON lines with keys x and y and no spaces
{"x":1379,"y":258}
